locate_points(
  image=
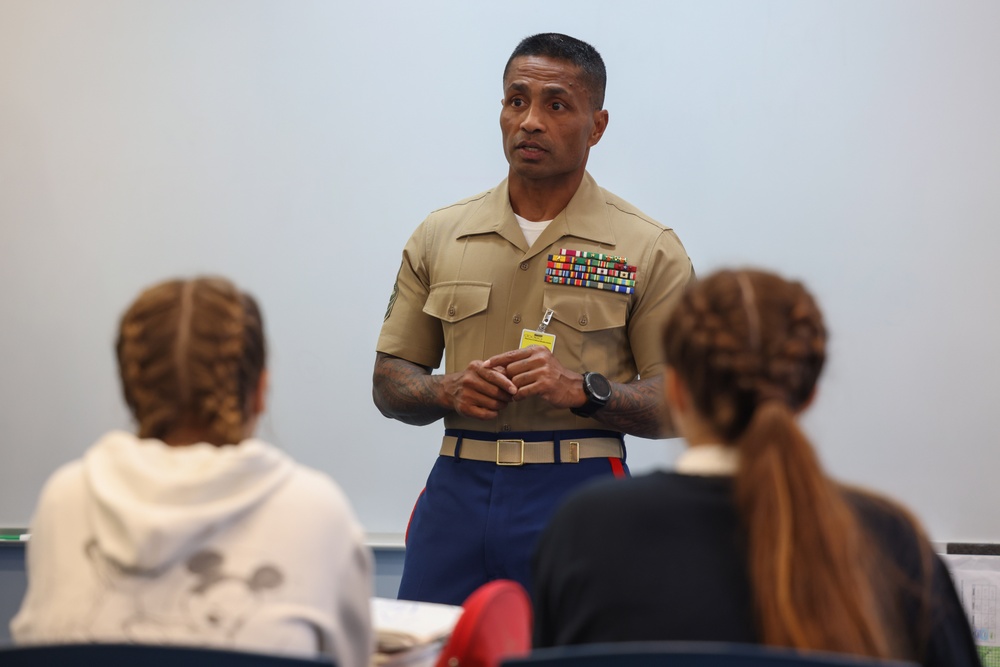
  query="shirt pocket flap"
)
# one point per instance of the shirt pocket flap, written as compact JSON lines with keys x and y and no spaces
{"x":456,"y":300}
{"x":586,"y":309}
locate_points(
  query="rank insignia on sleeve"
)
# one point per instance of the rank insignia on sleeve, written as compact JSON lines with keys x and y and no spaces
{"x":392,"y":300}
{"x":595,"y":270}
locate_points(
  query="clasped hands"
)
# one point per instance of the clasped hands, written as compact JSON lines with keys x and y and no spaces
{"x":485,"y":387}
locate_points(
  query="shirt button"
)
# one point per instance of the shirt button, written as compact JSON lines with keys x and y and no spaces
{"x":451,"y":310}
{"x":524,"y":266}
{"x":583,"y":321}
{"x":517,"y":318}
{"x":505,"y":427}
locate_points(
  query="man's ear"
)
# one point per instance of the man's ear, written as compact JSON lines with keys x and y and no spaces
{"x":600,"y":124}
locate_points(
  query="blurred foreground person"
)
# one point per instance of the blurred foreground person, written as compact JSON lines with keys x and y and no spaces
{"x":193,"y":532}
{"x":748,"y":540}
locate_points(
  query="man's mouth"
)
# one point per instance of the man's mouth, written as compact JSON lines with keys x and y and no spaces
{"x":529,"y":148}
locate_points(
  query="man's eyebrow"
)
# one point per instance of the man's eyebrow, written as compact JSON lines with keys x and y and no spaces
{"x":550,"y":89}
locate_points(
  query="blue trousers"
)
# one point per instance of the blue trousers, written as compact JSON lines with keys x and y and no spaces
{"x":476,"y":521}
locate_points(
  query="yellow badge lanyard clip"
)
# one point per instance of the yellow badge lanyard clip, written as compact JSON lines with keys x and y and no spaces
{"x":538,"y":336}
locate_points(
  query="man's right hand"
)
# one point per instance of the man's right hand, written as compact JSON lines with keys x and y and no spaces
{"x":479,"y":391}
{"x":408,"y":392}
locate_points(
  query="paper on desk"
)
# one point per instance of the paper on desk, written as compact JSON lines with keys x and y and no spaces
{"x":404,"y":624}
{"x":418,"y":656}
{"x":977,"y":579}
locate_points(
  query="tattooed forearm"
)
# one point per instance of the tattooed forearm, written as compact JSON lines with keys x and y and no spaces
{"x":406,"y":391}
{"x":637,"y":408}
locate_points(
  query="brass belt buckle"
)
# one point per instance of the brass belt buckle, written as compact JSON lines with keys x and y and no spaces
{"x":519,"y":444}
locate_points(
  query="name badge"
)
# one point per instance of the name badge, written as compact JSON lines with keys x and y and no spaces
{"x":532,"y":337}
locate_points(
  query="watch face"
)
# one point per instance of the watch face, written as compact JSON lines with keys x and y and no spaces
{"x":599,"y":386}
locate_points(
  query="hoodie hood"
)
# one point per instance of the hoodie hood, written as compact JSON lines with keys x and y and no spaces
{"x":152,"y":504}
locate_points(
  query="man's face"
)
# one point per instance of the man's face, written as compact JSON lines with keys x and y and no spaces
{"x":548,"y":121}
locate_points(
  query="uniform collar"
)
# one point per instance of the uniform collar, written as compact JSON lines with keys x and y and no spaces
{"x":708,"y":461}
{"x":585,"y":217}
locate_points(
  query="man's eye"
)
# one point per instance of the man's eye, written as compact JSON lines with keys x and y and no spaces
{"x":557,"y":106}
{"x":517,"y":102}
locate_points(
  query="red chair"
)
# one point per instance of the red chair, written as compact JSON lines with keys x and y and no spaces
{"x":495,"y":625}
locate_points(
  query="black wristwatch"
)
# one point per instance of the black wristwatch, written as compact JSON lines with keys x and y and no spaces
{"x":598,"y":391}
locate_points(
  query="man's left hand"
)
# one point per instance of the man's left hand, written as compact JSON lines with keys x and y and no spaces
{"x":536,"y":372}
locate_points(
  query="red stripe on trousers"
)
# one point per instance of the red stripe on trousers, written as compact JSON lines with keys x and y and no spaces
{"x":406,"y":535}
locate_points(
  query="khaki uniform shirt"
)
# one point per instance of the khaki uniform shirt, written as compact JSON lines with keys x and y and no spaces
{"x":469,"y":285}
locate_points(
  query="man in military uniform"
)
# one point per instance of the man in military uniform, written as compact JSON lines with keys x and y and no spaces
{"x":546,"y":295}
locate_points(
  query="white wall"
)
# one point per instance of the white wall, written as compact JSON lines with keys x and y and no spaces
{"x":293,"y":146}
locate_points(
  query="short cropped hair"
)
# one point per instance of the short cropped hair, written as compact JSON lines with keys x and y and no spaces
{"x":563,"y":47}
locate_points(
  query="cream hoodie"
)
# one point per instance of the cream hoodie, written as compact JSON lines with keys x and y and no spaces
{"x":234,"y":546}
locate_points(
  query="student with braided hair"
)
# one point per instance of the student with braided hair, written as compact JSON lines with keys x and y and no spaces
{"x":748,"y":540}
{"x":192,"y":531}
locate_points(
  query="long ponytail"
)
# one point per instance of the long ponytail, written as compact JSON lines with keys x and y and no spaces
{"x":810,"y":566}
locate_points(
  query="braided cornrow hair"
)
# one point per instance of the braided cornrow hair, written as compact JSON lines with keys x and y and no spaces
{"x":190,"y":355}
{"x":753,"y":337}
{"x":749,"y":346}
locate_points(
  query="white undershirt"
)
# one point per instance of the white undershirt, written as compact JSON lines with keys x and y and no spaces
{"x":708,"y":461}
{"x":531,"y":230}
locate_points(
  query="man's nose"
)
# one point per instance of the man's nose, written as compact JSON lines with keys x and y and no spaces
{"x":533,"y":120}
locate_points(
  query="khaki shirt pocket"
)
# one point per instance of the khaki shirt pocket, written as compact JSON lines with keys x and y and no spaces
{"x":455,"y":300}
{"x":586,"y":309}
{"x":592,"y":335}
{"x":461,"y":306}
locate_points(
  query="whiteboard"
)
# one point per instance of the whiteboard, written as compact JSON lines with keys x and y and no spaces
{"x":294,"y":146}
